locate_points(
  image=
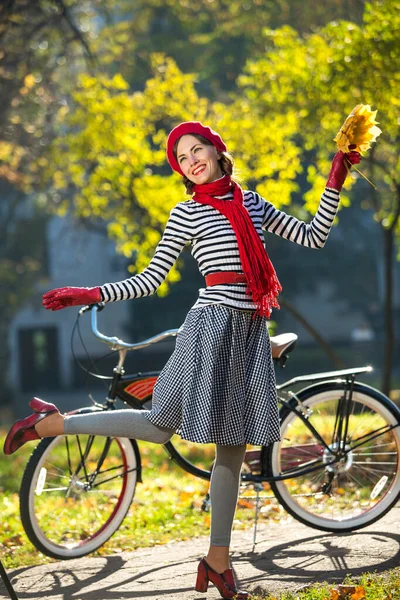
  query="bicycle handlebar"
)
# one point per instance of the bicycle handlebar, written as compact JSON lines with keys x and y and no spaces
{"x":116,"y":343}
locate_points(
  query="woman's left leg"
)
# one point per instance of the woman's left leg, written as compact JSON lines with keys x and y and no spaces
{"x":224,"y":490}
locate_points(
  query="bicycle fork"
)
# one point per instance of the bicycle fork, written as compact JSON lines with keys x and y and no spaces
{"x":341,"y":428}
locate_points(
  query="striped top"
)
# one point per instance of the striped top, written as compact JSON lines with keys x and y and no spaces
{"x":214,"y":246}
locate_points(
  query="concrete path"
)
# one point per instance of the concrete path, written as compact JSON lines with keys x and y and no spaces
{"x":288,"y":556}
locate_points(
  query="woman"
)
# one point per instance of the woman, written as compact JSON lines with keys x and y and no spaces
{"x":219,"y":384}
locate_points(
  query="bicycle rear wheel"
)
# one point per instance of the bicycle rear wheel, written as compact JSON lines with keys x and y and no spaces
{"x":75,"y":492}
{"x":354,"y":492}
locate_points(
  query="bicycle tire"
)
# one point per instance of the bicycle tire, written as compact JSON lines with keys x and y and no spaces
{"x":68,"y":519}
{"x":350,"y":503}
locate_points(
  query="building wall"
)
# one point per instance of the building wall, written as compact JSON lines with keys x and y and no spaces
{"x":39,"y":340}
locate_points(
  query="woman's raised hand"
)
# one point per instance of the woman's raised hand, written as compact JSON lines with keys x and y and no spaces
{"x":340,"y":168}
{"x":70,"y":296}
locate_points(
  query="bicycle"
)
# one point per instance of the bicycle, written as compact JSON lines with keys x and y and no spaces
{"x":336,"y":468}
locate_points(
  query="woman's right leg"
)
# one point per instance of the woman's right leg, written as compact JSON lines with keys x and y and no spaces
{"x":117,"y":423}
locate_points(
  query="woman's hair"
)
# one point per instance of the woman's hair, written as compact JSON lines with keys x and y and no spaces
{"x":226,"y":162}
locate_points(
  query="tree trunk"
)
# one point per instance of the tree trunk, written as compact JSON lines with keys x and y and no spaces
{"x":388,"y":243}
{"x":326,"y":347}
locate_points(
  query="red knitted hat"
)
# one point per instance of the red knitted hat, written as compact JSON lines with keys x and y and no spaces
{"x":191,"y":127}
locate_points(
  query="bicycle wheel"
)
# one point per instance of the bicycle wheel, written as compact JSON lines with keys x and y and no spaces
{"x":75,"y":492}
{"x":364,"y":484}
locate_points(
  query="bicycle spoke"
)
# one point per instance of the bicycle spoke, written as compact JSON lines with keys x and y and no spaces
{"x":358,"y":468}
{"x":54,"y":489}
{"x":85,"y":481}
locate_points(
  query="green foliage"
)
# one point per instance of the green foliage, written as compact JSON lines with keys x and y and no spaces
{"x":212,"y":38}
{"x":40,"y":42}
{"x":321,"y":77}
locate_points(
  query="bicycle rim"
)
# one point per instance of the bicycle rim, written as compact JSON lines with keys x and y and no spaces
{"x":350,"y":494}
{"x":76,"y":492}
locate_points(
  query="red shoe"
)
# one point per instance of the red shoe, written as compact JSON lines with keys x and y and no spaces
{"x":40,"y":406}
{"x":23,"y":430}
{"x":224,"y":582}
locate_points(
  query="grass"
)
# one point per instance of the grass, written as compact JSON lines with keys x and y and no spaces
{"x":369,"y":586}
{"x":166,"y":507}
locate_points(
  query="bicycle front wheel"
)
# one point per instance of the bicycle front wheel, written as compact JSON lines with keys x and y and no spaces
{"x":361,"y":487}
{"x":75,"y":492}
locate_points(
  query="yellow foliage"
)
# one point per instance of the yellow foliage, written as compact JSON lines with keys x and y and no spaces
{"x":112,"y":144}
{"x":359,"y":129}
{"x":6,"y":149}
{"x":29,"y":81}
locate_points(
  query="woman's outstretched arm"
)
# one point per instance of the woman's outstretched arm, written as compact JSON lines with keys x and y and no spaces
{"x":315,"y":233}
{"x":311,"y":235}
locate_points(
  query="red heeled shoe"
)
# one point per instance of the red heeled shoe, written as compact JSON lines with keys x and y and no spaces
{"x":23,"y":430}
{"x":224,"y":582}
{"x":40,"y":406}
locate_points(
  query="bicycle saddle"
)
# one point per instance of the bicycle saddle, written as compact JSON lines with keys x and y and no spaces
{"x":283,"y":344}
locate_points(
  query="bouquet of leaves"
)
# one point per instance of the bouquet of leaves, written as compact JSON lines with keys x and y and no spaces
{"x":358,"y":131}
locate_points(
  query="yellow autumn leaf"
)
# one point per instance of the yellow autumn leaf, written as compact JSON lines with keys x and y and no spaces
{"x":359,"y":129}
{"x":359,"y":593}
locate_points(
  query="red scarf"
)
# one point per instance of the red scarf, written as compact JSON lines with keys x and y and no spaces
{"x":262,"y":282}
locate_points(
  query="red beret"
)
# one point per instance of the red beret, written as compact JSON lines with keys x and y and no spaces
{"x":191,"y":127}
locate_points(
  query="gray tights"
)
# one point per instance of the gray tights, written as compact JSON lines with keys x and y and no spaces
{"x":133,"y":424}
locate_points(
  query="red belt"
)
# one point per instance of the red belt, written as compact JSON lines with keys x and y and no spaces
{"x":225,"y":277}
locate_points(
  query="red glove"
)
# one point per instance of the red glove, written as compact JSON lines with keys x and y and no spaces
{"x":70,"y":296}
{"x":339,"y":172}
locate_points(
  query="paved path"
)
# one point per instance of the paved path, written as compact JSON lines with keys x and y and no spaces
{"x":288,"y":556}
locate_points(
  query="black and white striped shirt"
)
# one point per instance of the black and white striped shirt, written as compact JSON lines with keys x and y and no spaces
{"x":215,"y":247}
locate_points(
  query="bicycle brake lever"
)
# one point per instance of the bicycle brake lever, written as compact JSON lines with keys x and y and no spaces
{"x":84,"y":309}
{"x":99,"y":305}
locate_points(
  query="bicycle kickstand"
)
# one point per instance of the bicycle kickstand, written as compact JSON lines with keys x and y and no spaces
{"x":258,"y":487}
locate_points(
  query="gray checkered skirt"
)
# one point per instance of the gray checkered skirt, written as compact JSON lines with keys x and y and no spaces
{"x":218,"y":385}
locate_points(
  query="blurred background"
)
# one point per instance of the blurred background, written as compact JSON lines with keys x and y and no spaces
{"x":90,"y":90}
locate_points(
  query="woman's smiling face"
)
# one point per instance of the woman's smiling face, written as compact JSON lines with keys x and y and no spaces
{"x":198,"y":161}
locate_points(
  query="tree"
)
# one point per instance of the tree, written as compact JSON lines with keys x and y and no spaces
{"x":38,"y":40}
{"x":212,"y":39}
{"x":317,"y":80}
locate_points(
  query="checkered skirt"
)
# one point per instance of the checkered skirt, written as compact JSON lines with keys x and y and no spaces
{"x":218,"y":386}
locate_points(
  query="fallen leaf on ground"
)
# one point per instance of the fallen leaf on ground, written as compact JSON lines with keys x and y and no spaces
{"x":348,"y":592}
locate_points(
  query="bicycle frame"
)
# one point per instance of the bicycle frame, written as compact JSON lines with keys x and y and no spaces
{"x":136,"y":389}
{"x":322,"y":422}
